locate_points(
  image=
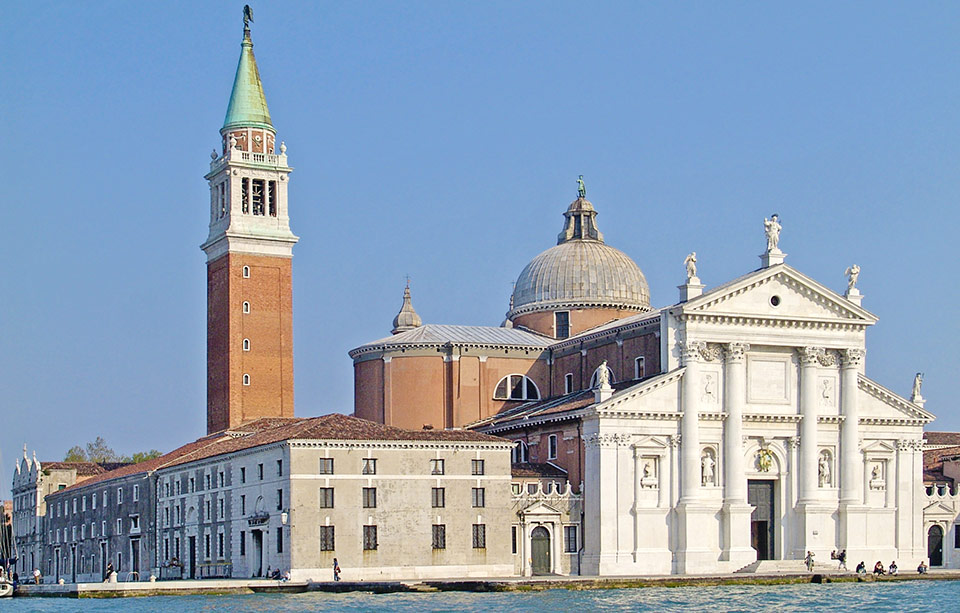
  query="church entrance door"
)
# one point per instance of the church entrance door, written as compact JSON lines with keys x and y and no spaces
{"x":935,"y":545}
{"x":540,"y":551}
{"x":760,"y":497}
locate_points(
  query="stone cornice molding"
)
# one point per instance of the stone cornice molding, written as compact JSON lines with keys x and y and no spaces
{"x":521,"y":423}
{"x":606,"y":440}
{"x":390,"y":347}
{"x":559,"y":305}
{"x":772,"y":418}
{"x":760,"y":321}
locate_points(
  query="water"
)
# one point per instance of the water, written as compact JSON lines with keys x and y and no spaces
{"x":907,"y":596}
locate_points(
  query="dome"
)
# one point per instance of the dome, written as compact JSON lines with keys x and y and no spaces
{"x":581,"y":271}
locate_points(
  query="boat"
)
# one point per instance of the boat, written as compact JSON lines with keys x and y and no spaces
{"x":6,"y":589}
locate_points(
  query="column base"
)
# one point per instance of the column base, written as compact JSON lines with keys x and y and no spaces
{"x":814,"y":530}
{"x":736,"y":535}
{"x":698,"y":547}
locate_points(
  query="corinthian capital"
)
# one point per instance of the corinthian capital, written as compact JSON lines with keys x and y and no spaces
{"x":691,"y":351}
{"x":810,"y":356}
{"x":852,"y":358}
{"x":736,"y":352}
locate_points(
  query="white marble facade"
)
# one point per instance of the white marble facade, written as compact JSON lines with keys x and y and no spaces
{"x":762,"y":434}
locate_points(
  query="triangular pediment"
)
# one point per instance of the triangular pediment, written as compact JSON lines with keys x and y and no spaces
{"x":879,"y":404}
{"x":540,"y":508}
{"x":778,"y":292}
{"x":939,"y":508}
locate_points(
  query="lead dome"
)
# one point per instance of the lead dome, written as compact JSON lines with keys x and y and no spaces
{"x":580,"y":272}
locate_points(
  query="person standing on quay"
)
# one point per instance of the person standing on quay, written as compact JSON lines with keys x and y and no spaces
{"x":336,"y":570}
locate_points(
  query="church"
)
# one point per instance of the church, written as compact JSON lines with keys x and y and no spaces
{"x":727,"y":431}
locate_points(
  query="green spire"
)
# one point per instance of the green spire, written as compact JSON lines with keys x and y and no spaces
{"x":248,"y":106}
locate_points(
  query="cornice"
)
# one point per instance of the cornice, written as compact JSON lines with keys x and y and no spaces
{"x":918,"y":414}
{"x":388,"y":347}
{"x":521,"y":423}
{"x":615,"y":331}
{"x":555,"y":305}
{"x":803,"y":323}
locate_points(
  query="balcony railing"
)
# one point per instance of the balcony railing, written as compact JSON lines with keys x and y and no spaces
{"x":249,"y":157}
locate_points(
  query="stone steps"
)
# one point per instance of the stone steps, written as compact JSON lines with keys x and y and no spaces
{"x":787,"y":566}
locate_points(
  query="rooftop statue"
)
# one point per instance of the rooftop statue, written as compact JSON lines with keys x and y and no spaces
{"x":581,"y":188}
{"x":917,"y":383}
{"x":691,"y":263}
{"x":772,"y":229}
{"x":852,"y":273}
{"x":603,"y":376}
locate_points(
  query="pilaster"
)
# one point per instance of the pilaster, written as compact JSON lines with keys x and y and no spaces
{"x":736,"y":511}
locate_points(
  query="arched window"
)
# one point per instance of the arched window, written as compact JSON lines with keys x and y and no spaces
{"x":519,"y":453}
{"x":246,"y":272}
{"x":596,"y":373}
{"x":246,"y":379}
{"x":246,"y":344}
{"x":246,"y":307}
{"x":516,"y":387}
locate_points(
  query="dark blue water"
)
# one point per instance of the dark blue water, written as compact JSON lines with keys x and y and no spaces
{"x":939,"y":596}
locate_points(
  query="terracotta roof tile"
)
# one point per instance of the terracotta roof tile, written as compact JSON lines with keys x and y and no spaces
{"x":942,"y":438}
{"x":84,"y":469}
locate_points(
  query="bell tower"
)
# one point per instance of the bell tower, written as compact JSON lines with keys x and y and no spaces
{"x":249,"y":251}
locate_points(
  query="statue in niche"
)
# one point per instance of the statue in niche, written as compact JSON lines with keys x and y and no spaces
{"x":646,"y":470}
{"x":603,"y":375}
{"x":827,"y":392}
{"x":709,"y":389}
{"x":233,"y":141}
{"x":691,"y":264}
{"x":917,"y":383}
{"x":771,"y":228}
{"x":852,"y":273}
{"x":823,"y":470}
{"x":706,"y":468}
{"x":875,"y":473}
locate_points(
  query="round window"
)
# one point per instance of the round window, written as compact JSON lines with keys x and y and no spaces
{"x":775,"y":301}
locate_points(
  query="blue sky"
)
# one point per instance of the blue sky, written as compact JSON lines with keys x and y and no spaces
{"x":443,"y":140}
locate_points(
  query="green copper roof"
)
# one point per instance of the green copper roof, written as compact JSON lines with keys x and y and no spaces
{"x":248,"y":106}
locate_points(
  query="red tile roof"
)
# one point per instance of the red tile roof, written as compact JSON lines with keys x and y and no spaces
{"x":84,"y":469}
{"x":941,"y":438}
{"x":273,"y":430}
{"x":933,"y":462}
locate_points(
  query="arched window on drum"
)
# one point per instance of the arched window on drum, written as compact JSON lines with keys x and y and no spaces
{"x":516,"y":387}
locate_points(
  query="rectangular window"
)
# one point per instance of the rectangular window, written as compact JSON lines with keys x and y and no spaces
{"x":260,"y":472}
{"x":326,"y":466}
{"x":119,"y":496}
{"x":280,"y":540}
{"x":369,"y":498}
{"x":513,"y":539}
{"x":104,"y":498}
{"x":119,"y":526}
{"x":439,"y":536}
{"x":220,"y":545}
{"x":476,"y":467}
{"x":207,"y":515}
{"x":220,"y":508}
{"x":179,"y":485}
{"x":243,"y":543}
{"x":245,"y":195}
{"x":570,"y":539}
{"x":479,"y":536}
{"x":280,"y":500}
{"x":562,"y":324}
{"x":206,"y":481}
{"x":279,"y":468}
{"x":568,"y":383}
{"x":74,"y":505}
{"x":103,"y":528}
{"x":243,"y":474}
{"x":93,"y":501}
{"x":166,"y":548}
{"x":369,"y":538}
{"x":192,"y":485}
{"x":243,"y":505}
{"x":638,"y":368}
{"x":552,"y":447}
{"x":956,"y":536}
{"x":220,"y":479}
{"x":478,"y":497}
{"x":166,"y":516}
{"x":326,"y":497}
{"x":73,"y":533}
{"x":326,"y":538}
{"x":369,"y":466}
{"x":176,"y":547}
{"x":437,"y":497}
{"x":136,"y":493}
{"x":166,"y":489}
{"x":206,"y":546}
{"x":436,"y":467}
{"x":134,"y":523}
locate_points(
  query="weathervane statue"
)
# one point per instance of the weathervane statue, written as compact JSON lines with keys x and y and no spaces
{"x":247,"y":16}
